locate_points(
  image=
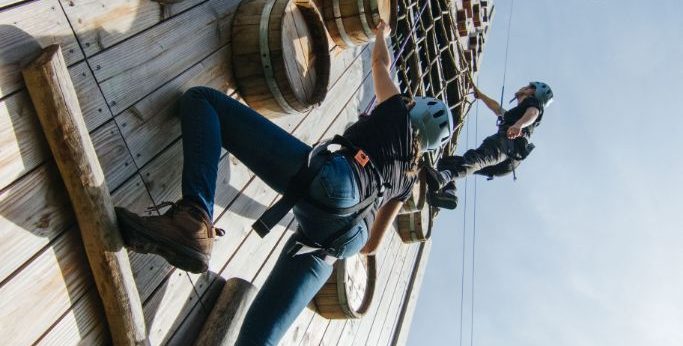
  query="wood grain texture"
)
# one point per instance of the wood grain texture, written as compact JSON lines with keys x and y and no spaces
{"x":405,"y":318}
{"x":23,"y":231}
{"x":22,"y":143}
{"x":254,"y":198}
{"x":388,"y":278}
{"x":26,"y":232}
{"x":277,"y":80}
{"x":25,"y":30}
{"x":131,"y":70}
{"x":56,"y":103}
{"x":151,"y":272}
{"x":88,"y":317}
{"x":100,"y":24}
{"x":394,"y":305}
{"x":5,"y":3}
{"x":84,"y":320}
{"x":152,"y":124}
{"x":35,"y":303}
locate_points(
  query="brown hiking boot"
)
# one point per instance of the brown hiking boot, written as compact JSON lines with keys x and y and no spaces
{"x":183,"y":235}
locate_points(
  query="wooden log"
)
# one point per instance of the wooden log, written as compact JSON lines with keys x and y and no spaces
{"x":57,"y":106}
{"x":160,"y":290}
{"x":223,"y":324}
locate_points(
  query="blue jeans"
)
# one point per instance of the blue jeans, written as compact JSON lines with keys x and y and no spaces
{"x":209,"y":120}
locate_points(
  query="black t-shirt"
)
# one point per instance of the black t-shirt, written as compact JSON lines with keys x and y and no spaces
{"x":386,"y":136}
{"x":513,"y":115}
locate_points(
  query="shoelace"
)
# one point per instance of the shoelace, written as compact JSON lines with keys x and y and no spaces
{"x":174,"y":206}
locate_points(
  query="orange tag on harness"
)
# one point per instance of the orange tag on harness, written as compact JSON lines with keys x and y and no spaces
{"x":361,"y":158}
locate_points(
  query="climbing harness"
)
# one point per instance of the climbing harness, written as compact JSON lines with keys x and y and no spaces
{"x":298,"y":187}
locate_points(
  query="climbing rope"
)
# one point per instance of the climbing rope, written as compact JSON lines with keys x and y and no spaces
{"x":507,"y":46}
{"x":474,"y":225}
{"x":464,"y":232}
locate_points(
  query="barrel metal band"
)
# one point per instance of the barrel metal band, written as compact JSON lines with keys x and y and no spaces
{"x":266,"y":62}
{"x":364,"y":20}
{"x":341,"y":289}
{"x":340,"y":24}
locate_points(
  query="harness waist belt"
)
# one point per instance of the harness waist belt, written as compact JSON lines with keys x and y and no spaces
{"x":300,"y":182}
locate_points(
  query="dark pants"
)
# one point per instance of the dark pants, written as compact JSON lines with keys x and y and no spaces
{"x":211,"y":120}
{"x":492,"y":151}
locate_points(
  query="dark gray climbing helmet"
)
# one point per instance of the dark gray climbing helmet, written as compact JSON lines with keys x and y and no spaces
{"x":433,"y":120}
{"x":543,"y":93}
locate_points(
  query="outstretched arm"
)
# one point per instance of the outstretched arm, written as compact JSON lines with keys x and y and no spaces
{"x":383,"y":220}
{"x":489,"y":102}
{"x":527,"y":119}
{"x":381,"y":65}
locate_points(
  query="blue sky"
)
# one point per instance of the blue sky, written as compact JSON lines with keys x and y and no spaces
{"x":586,"y":247}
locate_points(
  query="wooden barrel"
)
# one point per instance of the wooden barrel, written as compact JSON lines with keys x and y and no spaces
{"x":280,"y":55}
{"x":415,"y":227}
{"x":348,"y":292}
{"x":418,"y":198}
{"x":350,"y":22}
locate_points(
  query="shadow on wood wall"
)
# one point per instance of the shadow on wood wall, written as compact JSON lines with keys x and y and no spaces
{"x":34,"y":200}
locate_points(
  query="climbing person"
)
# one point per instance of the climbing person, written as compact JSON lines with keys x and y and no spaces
{"x":500,"y":153}
{"x":344,"y":201}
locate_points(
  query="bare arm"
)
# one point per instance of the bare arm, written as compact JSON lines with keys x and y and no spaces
{"x":527,"y":119}
{"x":489,"y":102}
{"x":381,"y":66}
{"x":383,"y":220}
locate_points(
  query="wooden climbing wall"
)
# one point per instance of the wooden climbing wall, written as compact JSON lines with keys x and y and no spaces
{"x":130,"y":60}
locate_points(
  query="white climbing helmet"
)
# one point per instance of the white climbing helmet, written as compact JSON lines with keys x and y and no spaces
{"x":433,"y":120}
{"x":543,"y":93}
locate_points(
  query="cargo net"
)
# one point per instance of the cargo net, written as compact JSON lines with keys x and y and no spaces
{"x":432,"y":58}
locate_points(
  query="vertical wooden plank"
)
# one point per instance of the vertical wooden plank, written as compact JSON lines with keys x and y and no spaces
{"x":154,"y":283}
{"x":390,"y":253}
{"x":25,"y":30}
{"x":33,"y":211}
{"x":243,"y":211}
{"x":129,"y":71}
{"x":101,"y":24}
{"x":396,"y":302}
{"x":22,"y":144}
{"x":85,"y":321}
{"x":405,"y":319}
{"x":30,"y":305}
{"x":153,"y":123}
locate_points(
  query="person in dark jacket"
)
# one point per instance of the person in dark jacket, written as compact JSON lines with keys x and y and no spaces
{"x":344,"y":201}
{"x":500,"y":153}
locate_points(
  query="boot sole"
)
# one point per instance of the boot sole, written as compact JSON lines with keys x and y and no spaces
{"x":439,"y":203}
{"x":140,"y":240}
